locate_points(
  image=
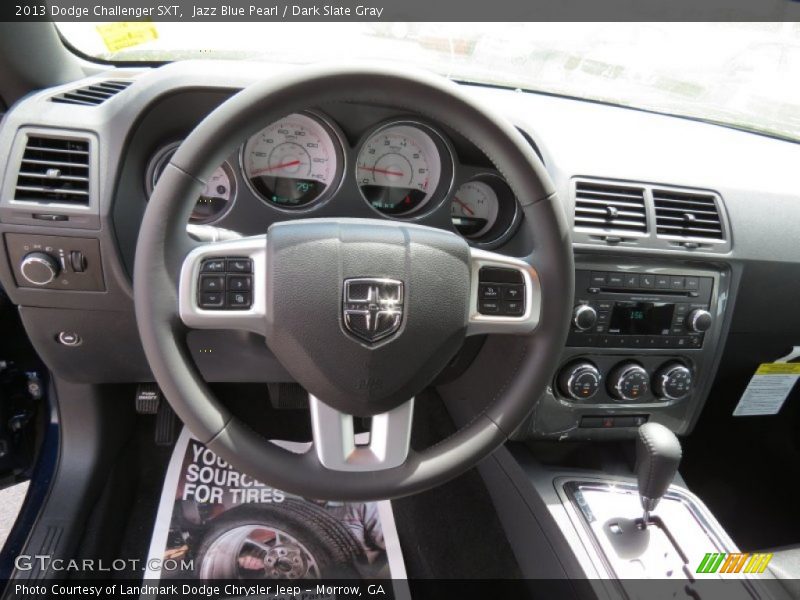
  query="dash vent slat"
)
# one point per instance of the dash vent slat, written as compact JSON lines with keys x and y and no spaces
{"x":687,"y":215}
{"x":610,"y":208}
{"x":54,"y":170}
{"x":92,"y":95}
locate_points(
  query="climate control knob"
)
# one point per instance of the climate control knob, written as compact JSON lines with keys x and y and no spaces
{"x":699,"y":321}
{"x":579,"y":380}
{"x":673,"y":381}
{"x":584,"y":317}
{"x":629,"y":382}
{"x":39,"y":268}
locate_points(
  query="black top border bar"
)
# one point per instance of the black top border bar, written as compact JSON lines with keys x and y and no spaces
{"x":399,"y":10}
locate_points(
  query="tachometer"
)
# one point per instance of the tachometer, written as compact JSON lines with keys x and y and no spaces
{"x":399,"y":168}
{"x":217,"y":197}
{"x":292,"y":162}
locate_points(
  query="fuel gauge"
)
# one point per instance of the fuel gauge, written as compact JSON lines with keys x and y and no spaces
{"x":474,"y":209}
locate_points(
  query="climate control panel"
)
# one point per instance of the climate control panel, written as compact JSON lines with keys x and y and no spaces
{"x":621,"y":380}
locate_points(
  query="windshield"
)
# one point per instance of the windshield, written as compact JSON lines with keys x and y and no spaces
{"x":745,"y":75}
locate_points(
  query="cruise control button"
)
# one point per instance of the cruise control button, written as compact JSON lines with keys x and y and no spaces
{"x":239,"y":299}
{"x":513,"y":292}
{"x":488,"y":291}
{"x":212,"y":299}
{"x":240,"y":265}
{"x":213,"y":265}
{"x":489,"y":307}
{"x":513,"y":308}
{"x":212,"y":283}
{"x":239,"y":283}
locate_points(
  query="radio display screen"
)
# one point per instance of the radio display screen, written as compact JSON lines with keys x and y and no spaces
{"x":641,"y":318}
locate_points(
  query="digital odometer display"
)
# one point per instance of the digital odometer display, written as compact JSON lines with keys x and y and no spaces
{"x":292,"y":162}
{"x":398,"y":169}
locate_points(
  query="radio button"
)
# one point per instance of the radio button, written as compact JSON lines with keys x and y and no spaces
{"x":647,"y":280}
{"x":615,"y":280}
{"x":598,"y":278}
{"x":603,"y":316}
{"x":692,"y":284}
{"x":584,"y":317}
{"x":677,"y":283}
{"x":605,"y":305}
{"x":662,"y":282}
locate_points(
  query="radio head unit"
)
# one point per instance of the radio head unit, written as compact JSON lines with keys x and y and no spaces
{"x":623,"y":309}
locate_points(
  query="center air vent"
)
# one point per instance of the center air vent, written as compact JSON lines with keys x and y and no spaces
{"x":610,"y":208}
{"x":54,"y":170}
{"x":685,"y":214}
{"x":92,"y":95}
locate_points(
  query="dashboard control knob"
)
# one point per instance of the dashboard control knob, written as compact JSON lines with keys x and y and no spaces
{"x":699,"y":320}
{"x":629,"y":382}
{"x":579,"y":380}
{"x":584,"y":317}
{"x":673,"y":381}
{"x":39,"y":268}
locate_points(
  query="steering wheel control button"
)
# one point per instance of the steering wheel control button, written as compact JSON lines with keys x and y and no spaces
{"x":69,"y":338}
{"x":239,"y":300}
{"x":513,"y":308}
{"x":226,"y":288}
{"x":214,"y":265}
{"x":513,"y":292}
{"x":489,"y":291}
{"x":240,"y":265}
{"x":240,"y":283}
{"x":489,"y":307}
{"x":212,"y":300}
{"x":496,"y":283}
{"x":212,"y":283}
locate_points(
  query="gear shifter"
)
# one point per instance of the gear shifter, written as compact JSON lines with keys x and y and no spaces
{"x":658,"y":453}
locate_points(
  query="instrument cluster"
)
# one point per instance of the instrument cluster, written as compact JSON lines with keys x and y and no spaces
{"x":402,"y":168}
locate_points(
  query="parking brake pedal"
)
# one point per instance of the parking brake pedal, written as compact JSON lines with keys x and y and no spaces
{"x":149,"y":402}
{"x":148,"y":397}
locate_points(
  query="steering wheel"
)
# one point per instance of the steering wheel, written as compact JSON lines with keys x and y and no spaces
{"x":363,"y":313}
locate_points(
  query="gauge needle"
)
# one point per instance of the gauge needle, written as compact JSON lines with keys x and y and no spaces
{"x":291,"y":163}
{"x":464,"y":206}
{"x":384,"y":171}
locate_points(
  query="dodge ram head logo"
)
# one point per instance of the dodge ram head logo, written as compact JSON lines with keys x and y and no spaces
{"x":372,"y":308}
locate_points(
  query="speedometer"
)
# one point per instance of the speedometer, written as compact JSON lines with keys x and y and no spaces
{"x":399,"y":168}
{"x":292,"y":162}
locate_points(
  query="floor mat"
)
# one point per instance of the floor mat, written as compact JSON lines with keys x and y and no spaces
{"x":214,"y":522}
{"x":11,"y":500}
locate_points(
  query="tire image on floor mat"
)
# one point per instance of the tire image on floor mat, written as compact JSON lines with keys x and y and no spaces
{"x":292,"y":539}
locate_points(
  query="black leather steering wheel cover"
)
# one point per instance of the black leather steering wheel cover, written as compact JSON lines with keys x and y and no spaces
{"x":163,"y":243}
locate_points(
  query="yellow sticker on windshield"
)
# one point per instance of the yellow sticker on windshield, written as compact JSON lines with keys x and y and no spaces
{"x":118,"y":36}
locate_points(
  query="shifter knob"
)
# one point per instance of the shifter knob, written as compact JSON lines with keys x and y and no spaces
{"x":658,"y":453}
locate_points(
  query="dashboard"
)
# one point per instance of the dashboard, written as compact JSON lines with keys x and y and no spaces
{"x":674,"y":248}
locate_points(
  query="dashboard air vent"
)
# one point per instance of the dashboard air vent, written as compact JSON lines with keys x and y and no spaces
{"x":54,"y":170}
{"x":685,"y":214}
{"x":92,"y":95}
{"x":609,"y":207}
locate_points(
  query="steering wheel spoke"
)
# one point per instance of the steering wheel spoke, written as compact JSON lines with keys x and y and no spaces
{"x":505,"y":294}
{"x":335,"y":442}
{"x":222,"y":285}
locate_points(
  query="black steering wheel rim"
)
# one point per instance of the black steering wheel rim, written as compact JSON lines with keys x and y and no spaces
{"x":163,"y":244}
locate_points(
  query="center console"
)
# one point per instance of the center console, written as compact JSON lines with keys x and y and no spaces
{"x":644,"y":344}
